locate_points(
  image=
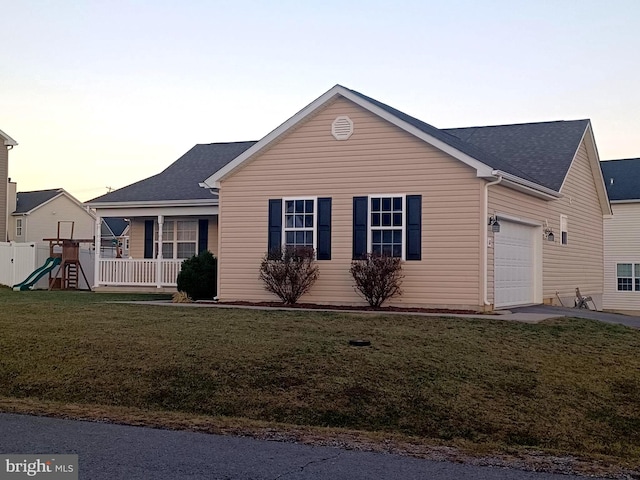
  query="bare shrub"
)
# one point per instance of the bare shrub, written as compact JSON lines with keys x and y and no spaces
{"x":378,"y":278}
{"x":289,"y":272}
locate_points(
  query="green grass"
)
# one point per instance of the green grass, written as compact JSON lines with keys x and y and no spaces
{"x":563,"y":385}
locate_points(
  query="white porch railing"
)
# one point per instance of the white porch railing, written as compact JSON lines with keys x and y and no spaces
{"x":138,"y":272}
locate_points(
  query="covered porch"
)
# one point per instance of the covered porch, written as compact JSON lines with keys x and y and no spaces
{"x":160,"y":239}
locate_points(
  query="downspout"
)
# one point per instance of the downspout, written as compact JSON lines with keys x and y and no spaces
{"x":485,"y":253}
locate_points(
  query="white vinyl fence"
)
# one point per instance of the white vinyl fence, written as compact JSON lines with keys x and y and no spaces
{"x":19,"y":260}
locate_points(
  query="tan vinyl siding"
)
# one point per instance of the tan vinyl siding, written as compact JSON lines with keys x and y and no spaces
{"x":4,"y":174}
{"x":212,"y":238}
{"x":565,"y":267}
{"x":136,"y":238}
{"x":379,"y":158}
{"x":43,"y":221}
{"x":136,"y":234}
{"x":622,"y":245}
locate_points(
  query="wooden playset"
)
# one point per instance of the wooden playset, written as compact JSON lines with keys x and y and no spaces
{"x":68,"y":250}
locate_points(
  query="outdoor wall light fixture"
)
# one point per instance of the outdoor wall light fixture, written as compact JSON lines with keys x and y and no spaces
{"x":548,"y":234}
{"x":495,"y":225}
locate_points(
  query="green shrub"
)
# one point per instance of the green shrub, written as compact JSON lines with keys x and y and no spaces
{"x":198,"y":276}
{"x":289,"y":272}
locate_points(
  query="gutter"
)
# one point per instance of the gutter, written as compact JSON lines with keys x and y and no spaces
{"x":175,"y":203}
{"x":485,"y":245}
{"x":525,"y":183}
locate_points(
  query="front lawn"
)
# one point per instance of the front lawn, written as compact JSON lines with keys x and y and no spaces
{"x":568,"y":385}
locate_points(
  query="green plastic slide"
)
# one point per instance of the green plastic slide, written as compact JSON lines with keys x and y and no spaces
{"x":49,"y":264}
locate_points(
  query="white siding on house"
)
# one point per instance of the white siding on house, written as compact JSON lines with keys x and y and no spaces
{"x":43,"y":222}
{"x":622,"y":245}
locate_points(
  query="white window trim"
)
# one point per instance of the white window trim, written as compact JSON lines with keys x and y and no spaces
{"x":315,"y":219}
{"x":404,"y":222}
{"x":564,"y":228}
{"x":18,"y":227}
{"x":174,"y":241}
{"x":633,"y":277}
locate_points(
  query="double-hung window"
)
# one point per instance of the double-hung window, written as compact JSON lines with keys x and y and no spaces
{"x":18,"y":227}
{"x":179,"y":239}
{"x":300,"y":222}
{"x":386,"y":225}
{"x":628,"y":277}
{"x":564,"y":230}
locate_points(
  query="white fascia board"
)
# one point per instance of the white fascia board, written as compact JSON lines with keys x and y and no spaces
{"x":594,"y":161}
{"x":155,"y":203}
{"x":482,"y":169}
{"x":76,"y":201}
{"x":8,"y":141}
{"x":214,"y":180}
{"x":526,"y":186}
{"x":154,"y":211}
{"x":630,"y":200}
{"x":60,"y":193}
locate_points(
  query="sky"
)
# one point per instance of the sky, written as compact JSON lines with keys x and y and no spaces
{"x":100,"y":94}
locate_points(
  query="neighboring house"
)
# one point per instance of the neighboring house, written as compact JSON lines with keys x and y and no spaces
{"x":114,"y":238}
{"x":348,"y":175}
{"x":37,"y":214}
{"x":7,"y":143}
{"x":170,"y":216}
{"x":622,"y":236}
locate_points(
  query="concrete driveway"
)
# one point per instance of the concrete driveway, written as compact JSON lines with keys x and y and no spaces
{"x":633,"y":322}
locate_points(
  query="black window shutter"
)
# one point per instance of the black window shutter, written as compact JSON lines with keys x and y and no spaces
{"x":360,"y":212}
{"x":148,"y":239}
{"x":324,"y":229}
{"x":203,"y":235}
{"x":275,"y":224}
{"x":414,"y":227}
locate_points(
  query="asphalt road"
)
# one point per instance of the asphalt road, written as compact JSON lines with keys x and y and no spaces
{"x":112,"y":452}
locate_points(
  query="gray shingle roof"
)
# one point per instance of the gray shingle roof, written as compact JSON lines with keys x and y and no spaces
{"x":539,"y":152}
{"x":180,"y":180}
{"x":116,"y":225}
{"x":445,"y":137}
{"x":27,"y":201}
{"x":622,"y":178}
{"x":543,"y":151}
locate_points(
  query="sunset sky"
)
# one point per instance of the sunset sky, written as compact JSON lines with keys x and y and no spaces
{"x":101,"y":94}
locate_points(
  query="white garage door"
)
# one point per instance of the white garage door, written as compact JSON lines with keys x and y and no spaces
{"x":514,"y":264}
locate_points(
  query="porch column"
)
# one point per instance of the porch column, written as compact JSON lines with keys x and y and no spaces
{"x":159,"y":256}
{"x":97,"y":241}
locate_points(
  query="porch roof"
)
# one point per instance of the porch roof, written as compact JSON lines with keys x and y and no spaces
{"x":179,"y":182}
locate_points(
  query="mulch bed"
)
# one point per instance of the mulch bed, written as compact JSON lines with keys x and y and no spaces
{"x":315,"y":306}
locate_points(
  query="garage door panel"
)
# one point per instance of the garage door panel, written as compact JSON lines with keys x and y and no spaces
{"x":514,"y":265}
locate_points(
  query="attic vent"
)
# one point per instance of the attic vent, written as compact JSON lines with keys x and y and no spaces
{"x":342,"y":128}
